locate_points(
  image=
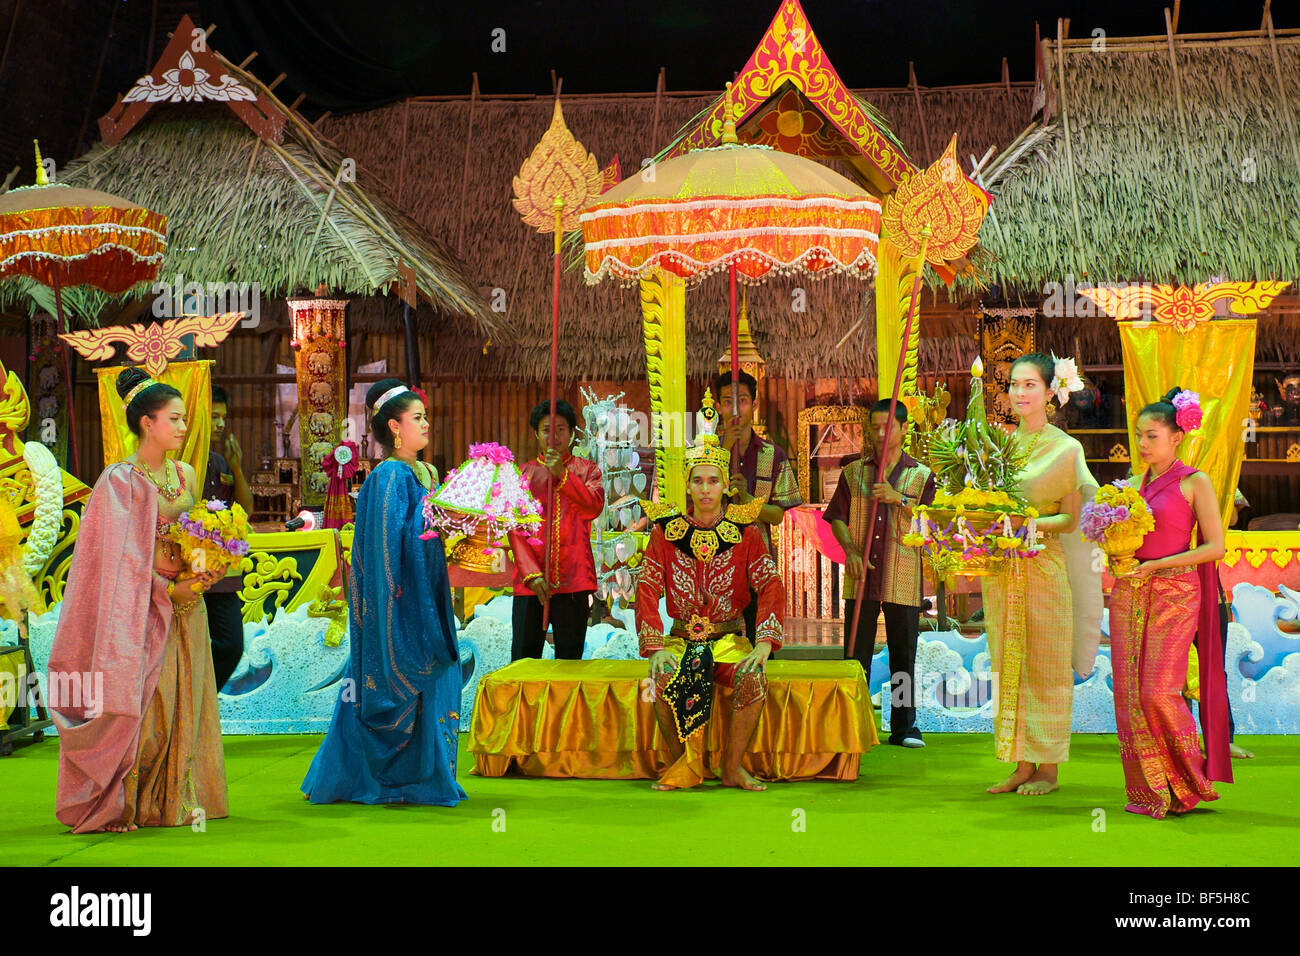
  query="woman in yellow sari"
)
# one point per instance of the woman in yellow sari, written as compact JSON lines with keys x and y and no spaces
{"x":1029,"y":611}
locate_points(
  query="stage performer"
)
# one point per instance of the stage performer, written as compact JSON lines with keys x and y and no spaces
{"x":893,"y":571}
{"x":571,"y":578}
{"x":1155,"y":612}
{"x":1029,"y":612}
{"x":763,"y":471}
{"x":707,"y":563}
{"x":147,"y":751}
{"x":225,"y":481}
{"x":395,"y":728}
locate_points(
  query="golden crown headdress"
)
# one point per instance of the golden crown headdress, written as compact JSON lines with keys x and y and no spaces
{"x":707,"y":450}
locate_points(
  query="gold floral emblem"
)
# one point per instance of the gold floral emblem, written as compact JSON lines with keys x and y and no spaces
{"x":704,"y":544}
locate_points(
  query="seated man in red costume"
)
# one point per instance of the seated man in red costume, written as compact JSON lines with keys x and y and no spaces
{"x":706,"y":562}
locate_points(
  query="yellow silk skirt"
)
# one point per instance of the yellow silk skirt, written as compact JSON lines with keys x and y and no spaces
{"x":596,"y":719}
{"x":1029,"y":619}
{"x":180,"y":765}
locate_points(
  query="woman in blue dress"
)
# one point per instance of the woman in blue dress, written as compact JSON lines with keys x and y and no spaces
{"x":395,"y":729}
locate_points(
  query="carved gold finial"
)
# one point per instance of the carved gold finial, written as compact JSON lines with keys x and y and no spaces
{"x":940,"y":198}
{"x":558,"y":168}
{"x":41,"y":179}
{"x":728,"y":120}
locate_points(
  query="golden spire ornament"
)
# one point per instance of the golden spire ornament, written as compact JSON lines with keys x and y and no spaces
{"x":559,"y":167}
{"x":941,"y":198}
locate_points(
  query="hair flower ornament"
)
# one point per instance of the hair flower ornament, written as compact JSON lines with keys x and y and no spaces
{"x":1188,"y":408}
{"x":1065,"y":378}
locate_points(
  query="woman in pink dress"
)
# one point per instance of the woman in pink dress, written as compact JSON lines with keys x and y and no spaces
{"x":1155,"y":612}
{"x":147,"y":750}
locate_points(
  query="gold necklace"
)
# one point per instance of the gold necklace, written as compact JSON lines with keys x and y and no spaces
{"x":1033,"y":444}
{"x":164,"y":489}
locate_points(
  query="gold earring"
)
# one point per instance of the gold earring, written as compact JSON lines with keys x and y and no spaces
{"x":1051,"y":409}
{"x":397,"y":441}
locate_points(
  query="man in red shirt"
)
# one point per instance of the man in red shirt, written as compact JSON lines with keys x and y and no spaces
{"x":579,"y":498}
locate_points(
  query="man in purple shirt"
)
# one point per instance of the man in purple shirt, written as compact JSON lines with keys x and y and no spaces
{"x":759,"y":468}
{"x":892,"y":569}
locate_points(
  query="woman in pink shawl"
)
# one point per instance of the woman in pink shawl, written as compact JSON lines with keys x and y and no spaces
{"x":147,"y":750}
{"x":1155,"y":612}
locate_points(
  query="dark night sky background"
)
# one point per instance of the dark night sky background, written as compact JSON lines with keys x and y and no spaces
{"x":65,"y":61}
{"x":415,"y":48}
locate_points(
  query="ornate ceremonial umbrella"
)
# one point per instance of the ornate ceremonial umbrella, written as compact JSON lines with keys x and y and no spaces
{"x":748,"y":209}
{"x":61,"y":237}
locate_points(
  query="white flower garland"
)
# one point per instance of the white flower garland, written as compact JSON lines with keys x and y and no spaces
{"x":47,"y":479}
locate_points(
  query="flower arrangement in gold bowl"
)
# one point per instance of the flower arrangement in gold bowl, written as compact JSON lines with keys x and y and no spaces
{"x":1117,"y":518}
{"x":213,"y":535}
{"x":977,"y":520}
{"x":478,"y":506}
{"x":972,"y":532}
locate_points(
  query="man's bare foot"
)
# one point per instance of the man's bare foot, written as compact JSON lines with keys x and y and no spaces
{"x":120,"y":828}
{"x":743,"y":780}
{"x":1040,"y":783}
{"x":1241,"y":753}
{"x":661,"y":786}
{"x":1015,"y":780}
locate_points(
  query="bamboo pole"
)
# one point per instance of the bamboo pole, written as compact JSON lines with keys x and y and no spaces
{"x":1182,"y":131}
{"x":1061,"y":28}
{"x":916,"y":95}
{"x":464,"y":173}
{"x":1252,"y":40}
{"x":9,"y":37}
{"x":660,"y":87}
{"x":286,"y":159}
{"x":78,"y":149}
{"x":401,"y":154}
{"x":324,"y":214}
{"x":1287,"y":115}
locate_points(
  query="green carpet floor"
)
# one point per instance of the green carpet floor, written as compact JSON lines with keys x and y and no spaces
{"x":908,"y":808}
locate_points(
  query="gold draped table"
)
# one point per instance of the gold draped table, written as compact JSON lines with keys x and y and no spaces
{"x":595,"y":719}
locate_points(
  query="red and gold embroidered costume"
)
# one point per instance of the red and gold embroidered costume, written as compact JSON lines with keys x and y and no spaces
{"x":579,"y":499}
{"x":706,"y":575}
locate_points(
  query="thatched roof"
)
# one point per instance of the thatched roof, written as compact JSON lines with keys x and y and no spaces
{"x":241,"y":209}
{"x":454,"y":177}
{"x":1146,"y":188}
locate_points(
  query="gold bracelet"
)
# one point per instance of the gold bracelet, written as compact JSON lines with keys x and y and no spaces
{"x":171,"y":588}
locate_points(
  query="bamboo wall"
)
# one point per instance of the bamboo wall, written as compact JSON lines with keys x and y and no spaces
{"x":464,"y":412}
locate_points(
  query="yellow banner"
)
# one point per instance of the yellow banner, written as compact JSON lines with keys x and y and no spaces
{"x":194,"y":381}
{"x":1217,"y":361}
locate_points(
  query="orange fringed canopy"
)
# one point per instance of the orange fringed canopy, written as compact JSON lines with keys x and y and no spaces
{"x":751,"y":206}
{"x":64,"y":237}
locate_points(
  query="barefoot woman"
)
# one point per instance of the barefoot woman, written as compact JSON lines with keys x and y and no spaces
{"x":706,"y":562}
{"x":1155,"y":613}
{"x":1028,"y":609}
{"x":148,"y":753}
